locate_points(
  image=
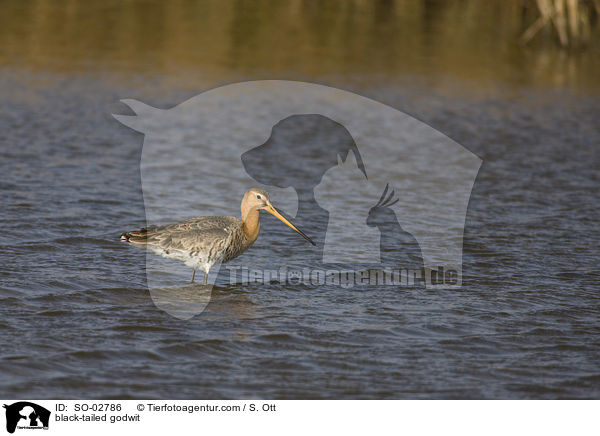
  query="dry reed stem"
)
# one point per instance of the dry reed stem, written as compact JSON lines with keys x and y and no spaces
{"x":570,"y":18}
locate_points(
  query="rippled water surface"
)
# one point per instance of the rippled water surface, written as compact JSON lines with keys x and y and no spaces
{"x":77,"y":318}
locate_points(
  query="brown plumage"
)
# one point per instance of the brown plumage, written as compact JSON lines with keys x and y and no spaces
{"x":204,"y":241}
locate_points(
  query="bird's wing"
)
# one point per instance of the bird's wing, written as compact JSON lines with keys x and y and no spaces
{"x":192,"y":234}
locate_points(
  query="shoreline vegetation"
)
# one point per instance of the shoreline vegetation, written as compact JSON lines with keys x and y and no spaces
{"x":541,"y":43}
{"x":569,"y":22}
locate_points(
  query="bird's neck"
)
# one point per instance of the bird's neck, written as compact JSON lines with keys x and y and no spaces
{"x":251,"y":224}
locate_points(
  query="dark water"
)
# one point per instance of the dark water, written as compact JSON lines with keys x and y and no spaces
{"x":76,"y":316}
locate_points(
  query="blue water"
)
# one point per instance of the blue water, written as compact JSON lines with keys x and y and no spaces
{"x":77,"y":319}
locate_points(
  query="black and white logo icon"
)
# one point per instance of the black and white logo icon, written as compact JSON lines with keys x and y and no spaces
{"x":26,"y":415}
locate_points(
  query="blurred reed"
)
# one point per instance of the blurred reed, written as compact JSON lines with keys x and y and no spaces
{"x":570,"y":20}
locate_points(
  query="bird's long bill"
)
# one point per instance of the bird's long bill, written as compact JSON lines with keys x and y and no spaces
{"x":273,"y":211}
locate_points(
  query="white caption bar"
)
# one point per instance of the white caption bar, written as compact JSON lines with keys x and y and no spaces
{"x":267,"y":417}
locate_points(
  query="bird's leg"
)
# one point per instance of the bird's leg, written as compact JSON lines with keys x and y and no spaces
{"x":193,"y":274}
{"x":205,"y":276}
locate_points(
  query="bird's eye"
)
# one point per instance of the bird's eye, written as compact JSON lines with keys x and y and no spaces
{"x":258,"y":196}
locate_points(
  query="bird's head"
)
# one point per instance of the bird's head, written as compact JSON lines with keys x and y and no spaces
{"x":258,"y":199}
